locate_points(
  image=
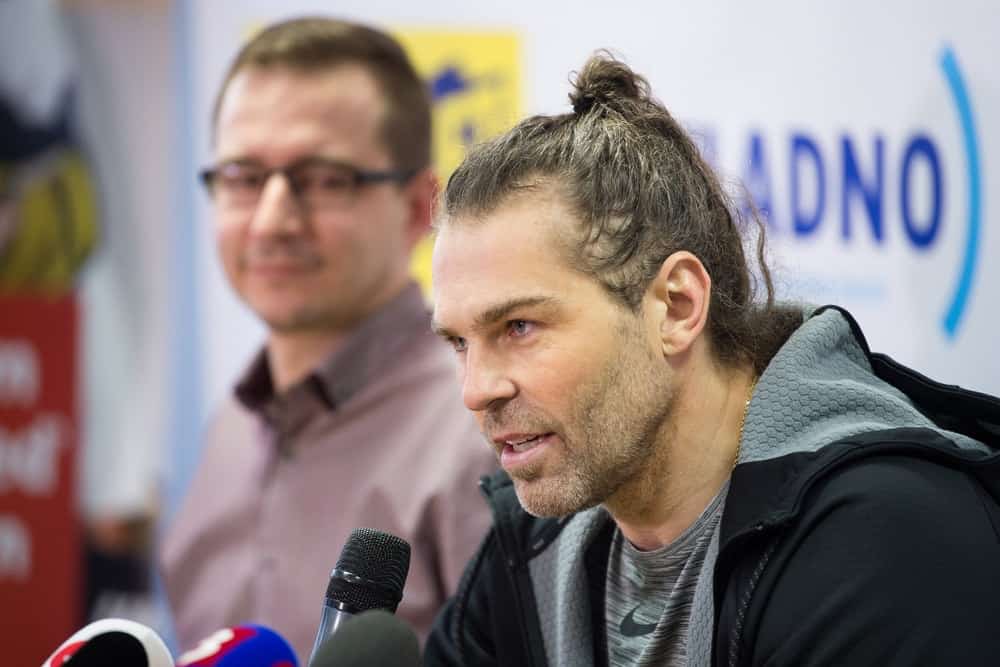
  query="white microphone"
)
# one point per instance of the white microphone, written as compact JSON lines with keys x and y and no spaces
{"x":112,"y":641}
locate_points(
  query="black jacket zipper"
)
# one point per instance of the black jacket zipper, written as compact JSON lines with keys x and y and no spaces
{"x":506,"y":542}
{"x":737,"y":636}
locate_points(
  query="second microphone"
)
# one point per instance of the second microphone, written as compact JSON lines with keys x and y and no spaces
{"x":370,"y":574}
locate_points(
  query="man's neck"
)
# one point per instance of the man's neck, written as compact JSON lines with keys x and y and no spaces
{"x":291,"y":356}
{"x":696,"y":454}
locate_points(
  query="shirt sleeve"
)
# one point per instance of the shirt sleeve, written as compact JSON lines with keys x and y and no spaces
{"x":462,"y":632}
{"x":894,"y":561}
{"x":465,"y":518}
{"x":455,"y":517}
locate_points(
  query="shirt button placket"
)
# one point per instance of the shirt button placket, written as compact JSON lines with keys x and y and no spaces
{"x":268,"y":580}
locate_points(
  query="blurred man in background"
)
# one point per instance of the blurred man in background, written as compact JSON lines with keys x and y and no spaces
{"x":348,"y":416}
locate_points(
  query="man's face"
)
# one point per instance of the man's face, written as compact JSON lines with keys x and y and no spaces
{"x":569,"y":387}
{"x":297,"y":267}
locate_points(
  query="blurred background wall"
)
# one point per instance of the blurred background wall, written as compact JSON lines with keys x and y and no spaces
{"x":867,"y":134}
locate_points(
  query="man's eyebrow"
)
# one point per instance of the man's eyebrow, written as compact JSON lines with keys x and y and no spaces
{"x":505,"y":308}
{"x":440,"y":330}
{"x":498,"y":312}
{"x":241,"y":160}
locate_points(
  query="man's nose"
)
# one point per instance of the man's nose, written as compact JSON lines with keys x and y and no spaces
{"x":278,"y":210}
{"x":485,"y":380}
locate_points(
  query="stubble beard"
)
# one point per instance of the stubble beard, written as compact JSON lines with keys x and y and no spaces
{"x":322,"y":309}
{"x":308,"y":318}
{"x":615,"y":428}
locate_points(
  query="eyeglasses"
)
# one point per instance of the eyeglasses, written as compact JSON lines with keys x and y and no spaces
{"x":318,"y":183}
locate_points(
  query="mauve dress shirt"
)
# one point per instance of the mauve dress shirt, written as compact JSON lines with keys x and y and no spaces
{"x":376,"y":437}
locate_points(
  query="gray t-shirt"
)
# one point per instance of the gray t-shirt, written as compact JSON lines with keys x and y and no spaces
{"x":649,"y":593}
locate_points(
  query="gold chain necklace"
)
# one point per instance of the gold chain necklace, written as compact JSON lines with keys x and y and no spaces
{"x":743,"y":421}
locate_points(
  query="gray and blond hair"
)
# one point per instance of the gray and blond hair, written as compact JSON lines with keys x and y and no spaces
{"x":642,"y":192}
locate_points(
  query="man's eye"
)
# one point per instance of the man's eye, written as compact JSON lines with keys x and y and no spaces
{"x":458,"y":343}
{"x":243,"y":179}
{"x":324,"y":179}
{"x":519,"y":327}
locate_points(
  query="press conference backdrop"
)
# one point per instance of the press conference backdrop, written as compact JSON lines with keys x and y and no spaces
{"x":868,"y":134}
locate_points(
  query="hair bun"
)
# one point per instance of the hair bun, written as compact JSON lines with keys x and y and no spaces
{"x":582,"y":103}
{"x":606,"y":80}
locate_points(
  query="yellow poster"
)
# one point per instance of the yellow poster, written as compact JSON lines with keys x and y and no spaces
{"x":475,"y":83}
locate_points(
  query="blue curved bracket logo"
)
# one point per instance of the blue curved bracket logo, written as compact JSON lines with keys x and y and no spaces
{"x":960,"y":299}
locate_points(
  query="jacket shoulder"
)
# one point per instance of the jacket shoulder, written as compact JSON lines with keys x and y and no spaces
{"x":902,"y":544}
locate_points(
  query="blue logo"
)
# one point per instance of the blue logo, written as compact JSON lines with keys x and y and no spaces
{"x":450,"y":82}
{"x":963,"y":107}
{"x":870,"y":176}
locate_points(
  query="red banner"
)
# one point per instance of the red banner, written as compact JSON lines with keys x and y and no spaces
{"x":40,"y":541}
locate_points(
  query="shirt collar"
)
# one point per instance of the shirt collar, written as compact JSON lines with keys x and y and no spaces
{"x":369,"y":350}
{"x":372,"y":348}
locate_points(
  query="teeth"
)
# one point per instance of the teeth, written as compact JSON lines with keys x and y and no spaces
{"x":524,"y":445}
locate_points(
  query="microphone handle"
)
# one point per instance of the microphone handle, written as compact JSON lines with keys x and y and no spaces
{"x":329,"y":622}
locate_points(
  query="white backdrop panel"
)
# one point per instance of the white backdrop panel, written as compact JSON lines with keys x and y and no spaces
{"x":774,"y":89}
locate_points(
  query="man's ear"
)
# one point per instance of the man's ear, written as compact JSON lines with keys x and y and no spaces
{"x":422,"y":192}
{"x":680,"y":296}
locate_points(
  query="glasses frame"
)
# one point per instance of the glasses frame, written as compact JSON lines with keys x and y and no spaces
{"x":359,"y":177}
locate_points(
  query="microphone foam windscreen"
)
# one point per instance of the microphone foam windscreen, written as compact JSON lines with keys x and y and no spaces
{"x":241,"y":646}
{"x":374,"y":637}
{"x":371,"y":570}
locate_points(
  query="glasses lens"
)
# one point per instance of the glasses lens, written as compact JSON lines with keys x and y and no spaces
{"x":323,"y":186}
{"x":238,"y":185}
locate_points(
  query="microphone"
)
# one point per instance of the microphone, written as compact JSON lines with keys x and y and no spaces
{"x":241,"y":646}
{"x":110,"y":648}
{"x":112,"y":641}
{"x":374,"y":637}
{"x":369,"y":574}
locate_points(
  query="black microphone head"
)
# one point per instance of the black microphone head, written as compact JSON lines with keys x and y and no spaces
{"x":375,"y":637}
{"x":110,"y":648}
{"x":370,"y":572}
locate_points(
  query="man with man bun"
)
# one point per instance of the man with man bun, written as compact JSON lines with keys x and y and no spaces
{"x":693,"y":474}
